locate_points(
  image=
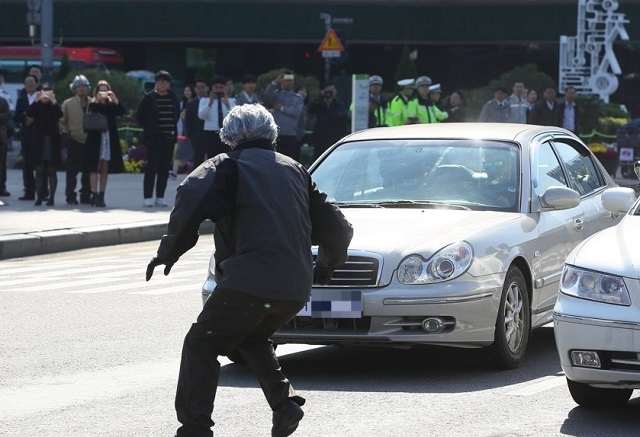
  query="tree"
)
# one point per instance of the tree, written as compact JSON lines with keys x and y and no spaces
{"x":407,"y":66}
{"x":65,"y":67}
{"x":128,"y":90}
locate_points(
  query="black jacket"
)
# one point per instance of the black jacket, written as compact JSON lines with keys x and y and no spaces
{"x":192,"y":123}
{"x":147,"y":113}
{"x":267,"y":213}
{"x":541,"y":115}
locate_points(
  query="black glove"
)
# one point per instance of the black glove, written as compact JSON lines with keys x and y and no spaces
{"x":322,"y":274}
{"x":155,"y":262}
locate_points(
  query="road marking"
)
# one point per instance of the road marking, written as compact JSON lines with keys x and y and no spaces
{"x":57,"y":392}
{"x":539,"y":385}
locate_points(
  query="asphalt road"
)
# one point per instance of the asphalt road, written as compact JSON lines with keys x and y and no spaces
{"x":88,"y":348}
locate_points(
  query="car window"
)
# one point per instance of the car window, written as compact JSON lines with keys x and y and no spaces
{"x":583,"y":174}
{"x":547,"y":171}
{"x":470,"y":173}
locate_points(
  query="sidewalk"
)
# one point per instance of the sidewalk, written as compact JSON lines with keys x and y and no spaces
{"x":26,"y":229}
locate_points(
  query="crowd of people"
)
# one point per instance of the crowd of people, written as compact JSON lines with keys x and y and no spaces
{"x":181,"y":132}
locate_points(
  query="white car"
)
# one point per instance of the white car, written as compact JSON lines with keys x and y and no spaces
{"x":597,"y":315}
{"x":460,"y":234}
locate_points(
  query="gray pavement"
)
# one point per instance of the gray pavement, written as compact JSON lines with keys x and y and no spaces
{"x":26,"y":229}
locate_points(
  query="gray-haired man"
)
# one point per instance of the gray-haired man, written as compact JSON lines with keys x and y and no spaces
{"x":268,"y":212}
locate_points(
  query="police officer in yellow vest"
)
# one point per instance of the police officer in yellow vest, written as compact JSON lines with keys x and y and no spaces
{"x":398,"y":109}
{"x":423,"y":107}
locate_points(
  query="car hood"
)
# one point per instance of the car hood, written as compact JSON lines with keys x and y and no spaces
{"x":405,"y":231}
{"x":614,"y":250}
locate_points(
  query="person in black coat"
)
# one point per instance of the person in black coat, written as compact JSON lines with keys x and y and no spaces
{"x":158,"y":114}
{"x":569,"y":111}
{"x":46,"y":146}
{"x":332,"y":119}
{"x":193,"y":125}
{"x":25,"y":126}
{"x":103,"y":154}
{"x":267,"y":213}
{"x":546,"y":112}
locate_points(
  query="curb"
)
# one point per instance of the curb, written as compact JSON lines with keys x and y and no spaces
{"x":62,"y":240}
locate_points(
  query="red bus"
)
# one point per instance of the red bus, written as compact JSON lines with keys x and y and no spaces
{"x":16,"y":60}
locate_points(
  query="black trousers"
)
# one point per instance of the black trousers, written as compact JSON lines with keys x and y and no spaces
{"x":207,"y":144}
{"x":75,"y":165}
{"x":159,"y":155}
{"x":3,"y":166}
{"x":28,"y":170}
{"x":230,"y":320}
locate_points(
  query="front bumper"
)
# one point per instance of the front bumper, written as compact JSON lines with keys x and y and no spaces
{"x":394,"y":316}
{"x":617,"y":343}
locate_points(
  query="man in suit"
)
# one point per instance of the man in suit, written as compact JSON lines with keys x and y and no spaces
{"x":545,"y":113}
{"x":194,"y":125}
{"x":6,"y":124}
{"x":569,"y":111}
{"x":24,"y":124}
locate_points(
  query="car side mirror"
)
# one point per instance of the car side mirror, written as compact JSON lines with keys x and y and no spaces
{"x":618,"y":199}
{"x":559,"y":198}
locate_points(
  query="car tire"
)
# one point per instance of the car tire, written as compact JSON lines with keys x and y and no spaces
{"x":513,"y":324}
{"x":587,"y":396}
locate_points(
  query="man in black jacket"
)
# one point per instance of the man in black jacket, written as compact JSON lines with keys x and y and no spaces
{"x":158,"y":114}
{"x":194,"y":125}
{"x":569,"y":111}
{"x":267,"y":213}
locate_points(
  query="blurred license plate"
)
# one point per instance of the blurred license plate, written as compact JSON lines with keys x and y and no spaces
{"x":333,"y":304}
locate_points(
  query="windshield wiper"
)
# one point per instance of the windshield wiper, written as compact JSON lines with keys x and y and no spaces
{"x":419,"y":204}
{"x":356,"y":205}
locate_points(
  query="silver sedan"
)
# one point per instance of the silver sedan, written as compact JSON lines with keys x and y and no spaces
{"x":460,"y":234}
{"x":597,"y":314}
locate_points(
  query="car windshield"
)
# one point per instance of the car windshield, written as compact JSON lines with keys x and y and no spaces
{"x":460,"y":173}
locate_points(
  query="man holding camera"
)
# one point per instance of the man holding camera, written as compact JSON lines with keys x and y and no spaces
{"x":288,"y":107}
{"x":212,"y":111}
{"x":332,"y":119}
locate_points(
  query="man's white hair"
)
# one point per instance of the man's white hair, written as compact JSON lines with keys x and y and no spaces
{"x":246,"y":122}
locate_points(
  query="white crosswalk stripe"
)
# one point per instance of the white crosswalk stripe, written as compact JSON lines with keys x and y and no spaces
{"x":95,"y":273}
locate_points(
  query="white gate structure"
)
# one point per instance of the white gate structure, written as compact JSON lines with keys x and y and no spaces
{"x":587,"y":60}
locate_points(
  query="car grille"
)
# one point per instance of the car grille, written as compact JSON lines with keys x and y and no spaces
{"x":362,"y":269}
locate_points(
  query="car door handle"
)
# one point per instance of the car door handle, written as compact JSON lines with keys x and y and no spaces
{"x":578,"y":224}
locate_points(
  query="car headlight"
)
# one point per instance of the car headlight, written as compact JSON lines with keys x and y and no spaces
{"x":446,"y":264}
{"x":587,"y":284}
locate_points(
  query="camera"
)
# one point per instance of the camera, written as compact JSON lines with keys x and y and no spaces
{"x":103,"y":94}
{"x":327,"y":94}
{"x":219,"y":95}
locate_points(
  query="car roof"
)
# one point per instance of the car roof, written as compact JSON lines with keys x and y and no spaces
{"x":485,"y":131}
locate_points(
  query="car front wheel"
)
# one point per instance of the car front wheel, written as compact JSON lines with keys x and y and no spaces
{"x":513,"y":324}
{"x":587,"y":396}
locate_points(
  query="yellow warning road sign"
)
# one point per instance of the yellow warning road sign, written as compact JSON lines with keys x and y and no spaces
{"x":331,"y":42}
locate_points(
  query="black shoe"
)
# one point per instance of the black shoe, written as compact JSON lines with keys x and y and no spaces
{"x":72,"y":201}
{"x":286,"y":418}
{"x":38,"y":202}
{"x":50,"y":201}
{"x":85,"y":200}
{"x":27,"y":197}
{"x":5,"y":193}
